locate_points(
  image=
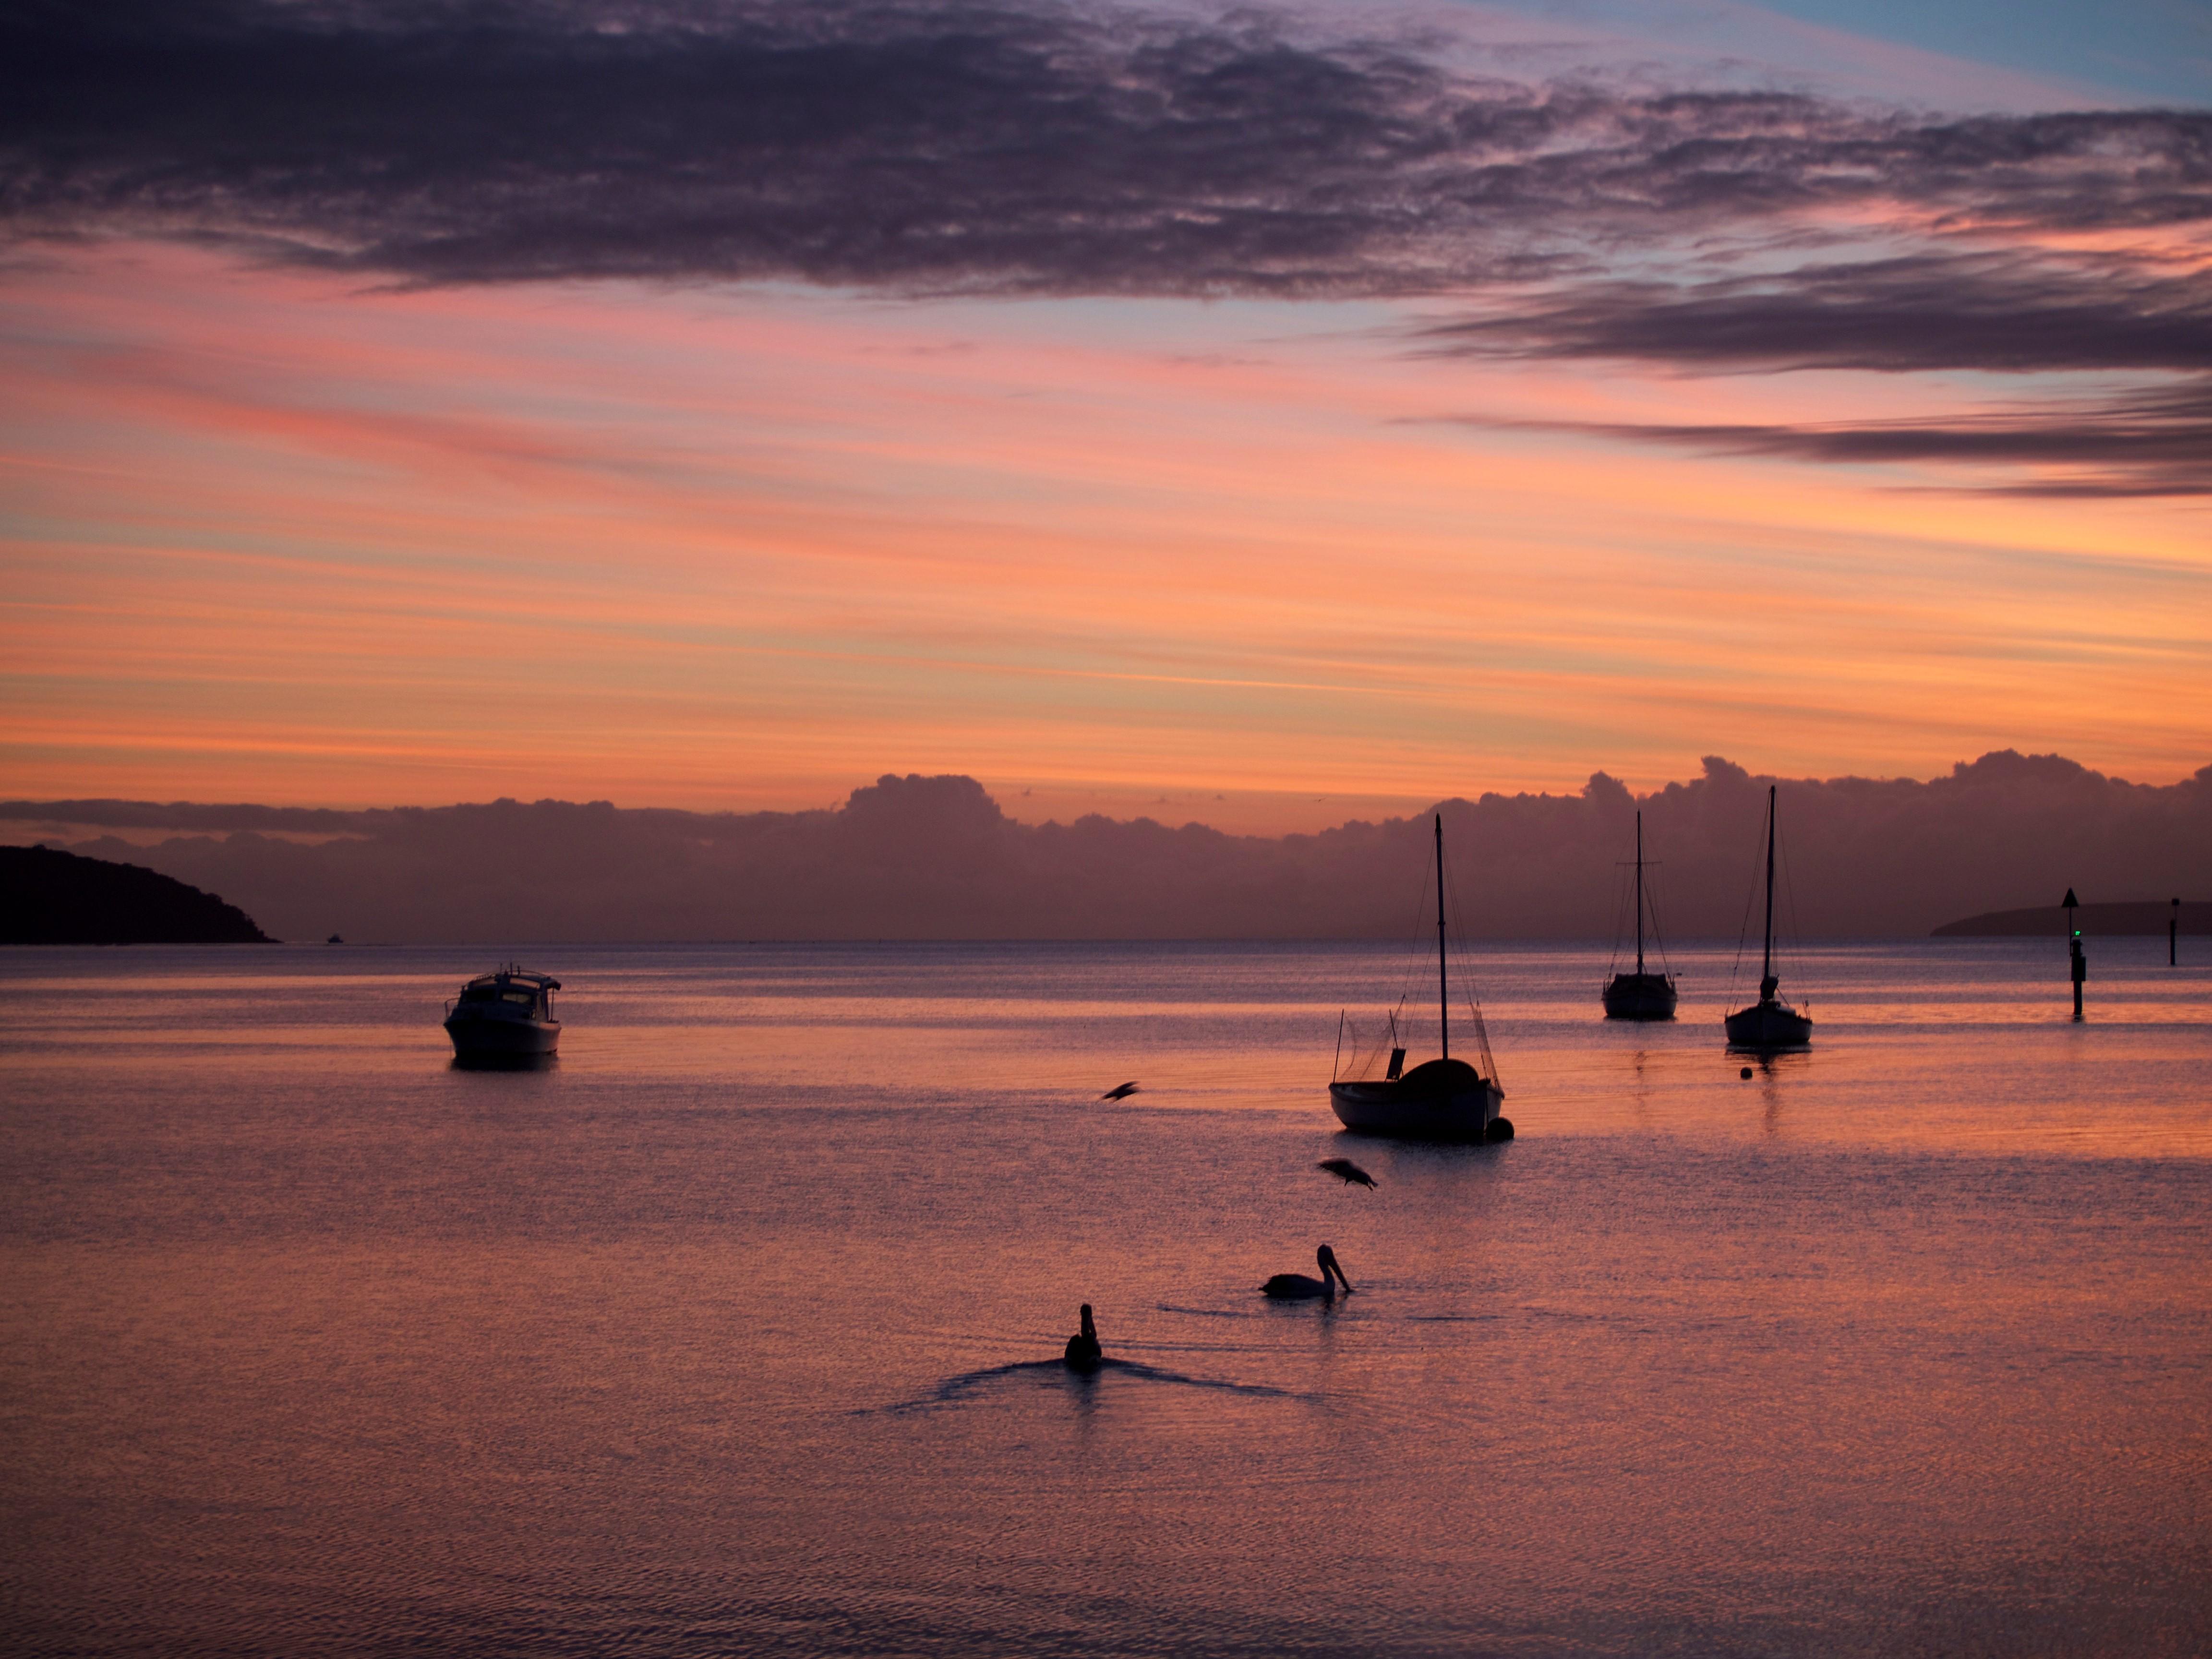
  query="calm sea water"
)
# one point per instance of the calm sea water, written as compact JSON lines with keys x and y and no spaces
{"x":735,"y":1331}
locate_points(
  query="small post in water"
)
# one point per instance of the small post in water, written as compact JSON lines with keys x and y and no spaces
{"x":2075,"y":960}
{"x":2173,"y":936}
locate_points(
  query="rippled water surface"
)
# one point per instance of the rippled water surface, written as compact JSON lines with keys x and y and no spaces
{"x":731,"y":1333}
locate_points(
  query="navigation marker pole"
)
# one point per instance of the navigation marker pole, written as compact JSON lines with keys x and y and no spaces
{"x":2076,"y":962}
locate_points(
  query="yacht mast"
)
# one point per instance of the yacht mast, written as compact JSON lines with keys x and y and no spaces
{"x":1443,"y":992}
{"x":1639,"y":895}
{"x":1766,"y":962}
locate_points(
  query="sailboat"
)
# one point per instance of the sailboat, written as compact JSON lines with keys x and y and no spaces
{"x":1770,"y":1023}
{"x":1440,"y":1099}
{"x":1639,"y":995}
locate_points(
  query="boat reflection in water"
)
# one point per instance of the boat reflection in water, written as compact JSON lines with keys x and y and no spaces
{"x":504,"y":1020}
{"x":1440,"y":1099}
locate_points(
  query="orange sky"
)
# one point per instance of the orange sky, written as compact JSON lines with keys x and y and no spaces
{"x":275,"y":537}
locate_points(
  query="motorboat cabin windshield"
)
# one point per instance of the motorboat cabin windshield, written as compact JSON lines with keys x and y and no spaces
{"x":499,"y":989}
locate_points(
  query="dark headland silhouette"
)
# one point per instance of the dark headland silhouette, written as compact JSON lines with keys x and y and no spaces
{"x":2109,"y":920}
{"x":50,"y":897}
{"x":934,"y":858}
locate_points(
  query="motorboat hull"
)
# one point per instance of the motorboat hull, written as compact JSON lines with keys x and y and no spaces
{"x":1639,"y":996}
{"x":1458,"y":1104}
{"x":1769,"y":1026}
{"x":478,"y":1037}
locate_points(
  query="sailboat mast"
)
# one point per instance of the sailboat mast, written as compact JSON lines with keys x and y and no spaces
{"x":1443,"y":991}
{"x":1766,"y":962}
{"x":1639,"y":893}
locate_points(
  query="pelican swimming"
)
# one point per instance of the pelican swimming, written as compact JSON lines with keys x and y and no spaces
{"x":1347,"y":1171}
{"x":1296,"y":1287}
{"x":1082,"y":1351}
{"x":1121,"y":1091}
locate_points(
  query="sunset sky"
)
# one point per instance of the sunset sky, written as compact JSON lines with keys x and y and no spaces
{"x":1264,"y":418}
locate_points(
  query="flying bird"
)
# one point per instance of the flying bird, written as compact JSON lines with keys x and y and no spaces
{"x":1296,"y":1287}
{"x":1347,"y":1171}
{"x":1121,"y":1093}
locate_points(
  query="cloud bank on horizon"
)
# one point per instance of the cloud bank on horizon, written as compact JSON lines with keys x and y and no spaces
{"x":1030,"y":147}
{"x":936,"y":858}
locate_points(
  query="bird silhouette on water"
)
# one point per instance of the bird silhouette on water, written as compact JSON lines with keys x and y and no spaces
{"x":1298,"y":1287}
{"x":1121,"y":1092}
{"x":1347,"y":1171}
{"x":1084,"y":1354}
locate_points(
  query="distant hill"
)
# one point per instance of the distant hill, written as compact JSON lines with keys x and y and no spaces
{"x":49,"y":897}
{"x":2109,"y":920}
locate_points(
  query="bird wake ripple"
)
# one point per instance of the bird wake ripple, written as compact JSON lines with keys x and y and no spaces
{"x":953,"y":1390}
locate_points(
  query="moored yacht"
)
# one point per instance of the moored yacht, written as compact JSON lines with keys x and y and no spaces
{"x":1639,"y":995}
{"x":1440,"y":1099}
{"x":506,"y":1014}
{"x":1770,"y":1023}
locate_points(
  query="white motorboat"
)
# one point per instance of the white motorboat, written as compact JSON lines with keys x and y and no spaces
{"x":1440,"y":1099}
{"x":1770,"y":1023}
{"x":507,"y":1014}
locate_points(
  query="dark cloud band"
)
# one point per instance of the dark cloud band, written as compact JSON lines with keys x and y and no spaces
{"x":2142,"y":444}
{"x":1933,"y":312}
{"x":1029,"y":148}
{"x":935,"y":858}
{"x":1936,"y":310}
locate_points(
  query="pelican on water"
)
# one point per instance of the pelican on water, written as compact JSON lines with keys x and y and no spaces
{"x":1347,"y":1171}
{"x":1296,"y":1287}
{"x":1082,"y":1354}
{"x":1119,"y":1091}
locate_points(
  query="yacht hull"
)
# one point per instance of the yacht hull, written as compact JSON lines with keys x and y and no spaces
{"x":1769,"y":1026}
{"x":478,"y":1038}
{"x":1461,"y":1107}
{"x":1639,"y":996}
